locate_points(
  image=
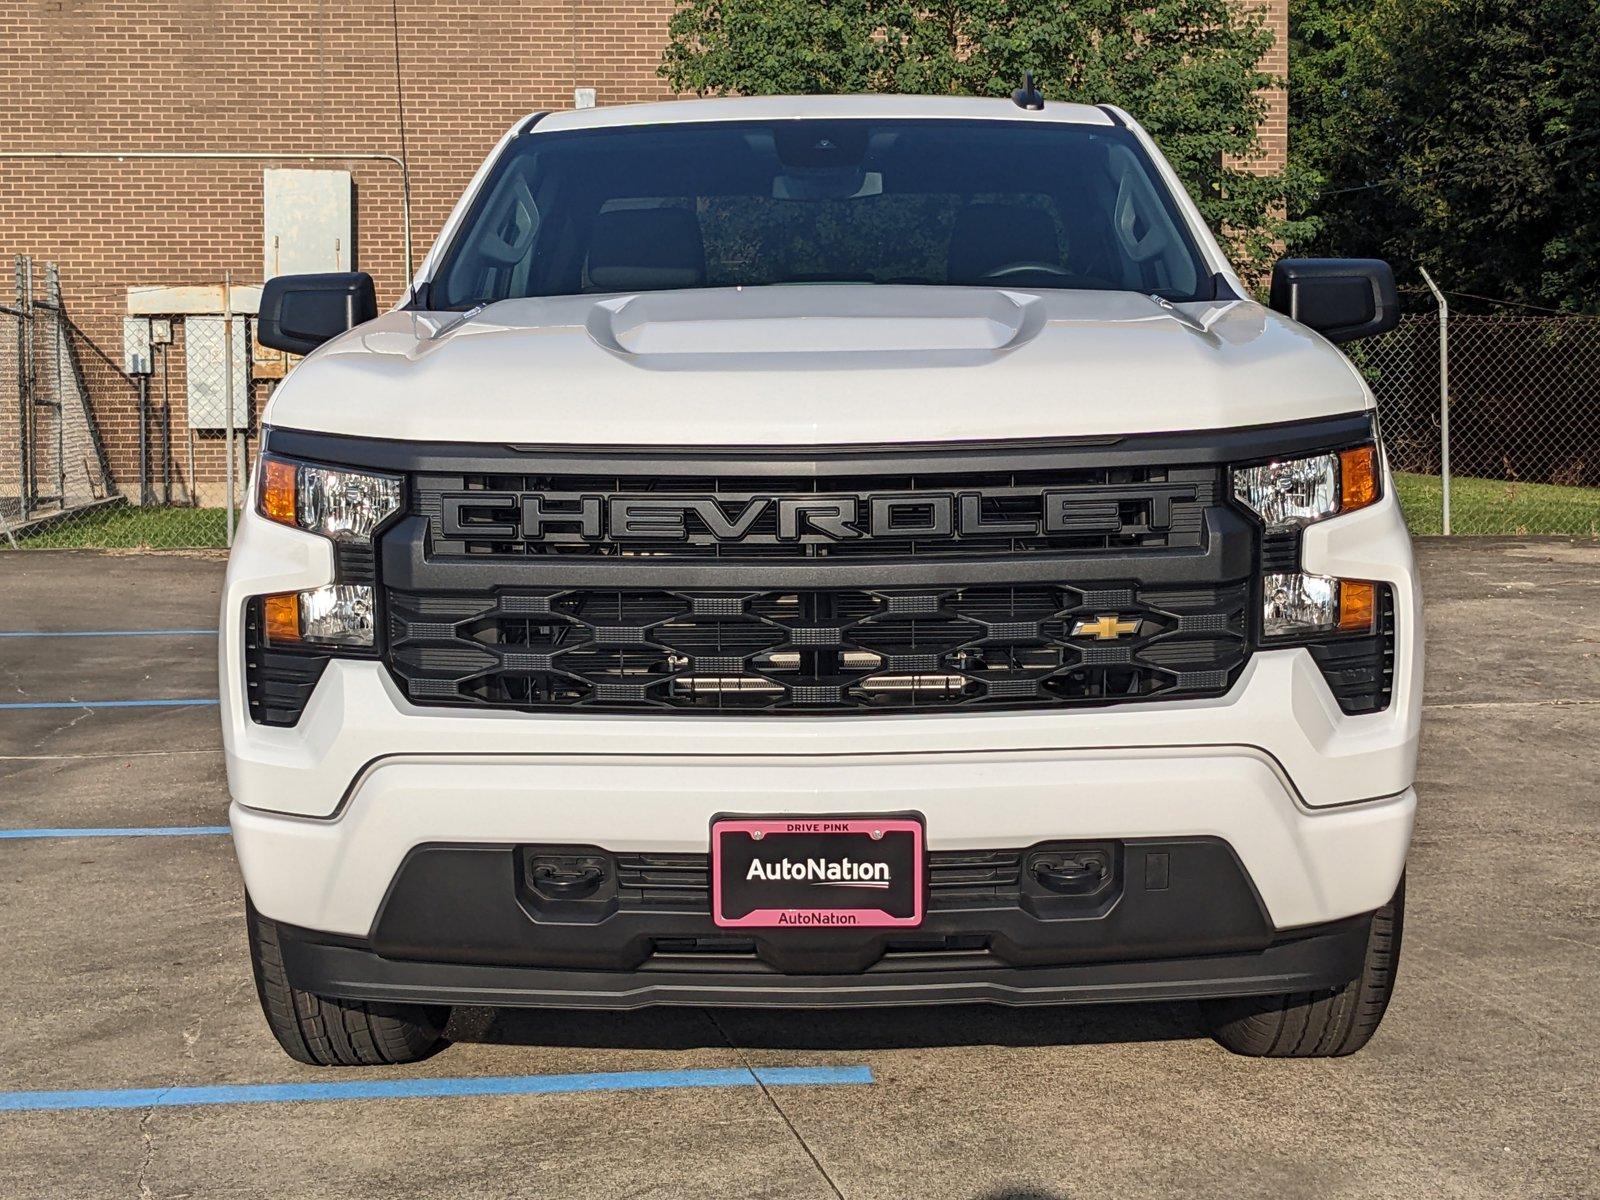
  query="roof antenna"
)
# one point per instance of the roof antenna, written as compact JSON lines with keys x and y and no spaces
{"x":1028,"y":96}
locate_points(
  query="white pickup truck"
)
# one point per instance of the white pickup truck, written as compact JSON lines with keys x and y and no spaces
{"x":823,"y":551}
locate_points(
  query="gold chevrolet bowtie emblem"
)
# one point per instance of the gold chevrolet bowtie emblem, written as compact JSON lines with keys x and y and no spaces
{"x":1107,"y":627}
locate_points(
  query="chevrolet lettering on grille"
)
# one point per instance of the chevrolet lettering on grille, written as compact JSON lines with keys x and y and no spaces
{"x":580,"y":517}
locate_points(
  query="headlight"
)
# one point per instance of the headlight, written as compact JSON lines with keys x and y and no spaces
{"x":1297,"y":604}
{"x":334,"y":615}
{"x":1300,"y":491}
{"x":346,"y":506}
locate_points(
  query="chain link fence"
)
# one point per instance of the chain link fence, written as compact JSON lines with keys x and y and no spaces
{"x":145,"y":452}
{"x":138,"y":445}
{"x":1492,"y":423}
{"x":58,"y":466}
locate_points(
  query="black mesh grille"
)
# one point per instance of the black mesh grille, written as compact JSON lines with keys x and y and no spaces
{"x":817,"y":651}
{"x":975,"y":513}
{"x":682,"y":882}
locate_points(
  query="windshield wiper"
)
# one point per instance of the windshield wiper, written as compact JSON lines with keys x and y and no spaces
{"x":460,"y":319}
{"x":1177,"y":314}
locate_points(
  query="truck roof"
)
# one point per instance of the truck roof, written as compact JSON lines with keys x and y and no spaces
{"x":774,"y":108}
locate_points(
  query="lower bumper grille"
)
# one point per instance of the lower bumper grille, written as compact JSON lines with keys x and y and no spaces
{"x":682,"y":882}
{"x":496,"y":905}
{"x":817,"y":651}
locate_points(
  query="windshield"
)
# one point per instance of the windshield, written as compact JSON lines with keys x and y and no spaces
{"x":744,"y":204}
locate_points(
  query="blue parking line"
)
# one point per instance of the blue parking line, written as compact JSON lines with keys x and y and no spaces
{"x":117,"y":831}
{"x":46,"y":633}
{"x":15,"y":705}
{"x":404,"y":1089}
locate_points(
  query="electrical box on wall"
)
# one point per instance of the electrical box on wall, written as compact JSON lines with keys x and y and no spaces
{"x":308,"y":222}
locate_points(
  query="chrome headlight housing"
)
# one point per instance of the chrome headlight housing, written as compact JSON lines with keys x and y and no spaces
{"x":1301,"y":491}
{"x":1287,"y":496}
{"x":344,"y":505}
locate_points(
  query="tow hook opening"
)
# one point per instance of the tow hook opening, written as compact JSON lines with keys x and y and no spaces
{"x":1071,"y":874}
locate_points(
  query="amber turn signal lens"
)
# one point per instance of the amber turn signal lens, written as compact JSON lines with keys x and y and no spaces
{"x":1358,"y":606}
{"x":1358,"y":478}
{"x":277,"y":491}
{"x":282,"y":617}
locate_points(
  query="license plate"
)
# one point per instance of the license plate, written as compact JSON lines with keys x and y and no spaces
{"x":816,"y":872}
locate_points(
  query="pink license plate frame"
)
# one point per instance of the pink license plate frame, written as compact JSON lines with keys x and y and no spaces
{"x":822,"y":916}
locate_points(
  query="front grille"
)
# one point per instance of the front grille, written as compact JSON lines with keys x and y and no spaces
{"x":726,"y":517}
{"x":817,"y":650}
{"x":958,"y":880}
{"x":682,"y":882}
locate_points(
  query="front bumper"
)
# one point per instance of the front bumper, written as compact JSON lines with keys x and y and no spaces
{"x":1325,"y":957}
{"x":1167,"y":918}
{"x":1307,"y":866}
{"x":417,"y":891}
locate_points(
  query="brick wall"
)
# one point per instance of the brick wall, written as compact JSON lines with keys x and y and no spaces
{"x":1275,"y":128}
{"x":296,"y":76}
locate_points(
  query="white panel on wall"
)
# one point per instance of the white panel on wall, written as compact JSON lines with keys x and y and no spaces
{"x":307,"y":221}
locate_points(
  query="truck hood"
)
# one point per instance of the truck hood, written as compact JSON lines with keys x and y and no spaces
{"x":807,"y":365}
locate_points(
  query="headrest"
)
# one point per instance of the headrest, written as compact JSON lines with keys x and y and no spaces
{"x":644,"y":249}
{"x":987,"y":236}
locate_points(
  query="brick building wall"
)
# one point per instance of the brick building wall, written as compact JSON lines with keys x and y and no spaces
{"x":1275,"y":126}
{"x":291,"y":76}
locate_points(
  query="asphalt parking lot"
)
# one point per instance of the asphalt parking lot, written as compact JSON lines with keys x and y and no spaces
{"x":124,"y":973}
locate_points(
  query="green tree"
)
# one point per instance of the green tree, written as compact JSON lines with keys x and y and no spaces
{"x":1337,"y":128}
{"x":1188,"y":69}
{"x":1460,"y":134}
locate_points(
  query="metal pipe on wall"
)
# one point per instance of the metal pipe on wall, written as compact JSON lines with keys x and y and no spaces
{"x":166,"y":430}
{"x":144,"y":440}
{"x":227,"y":384}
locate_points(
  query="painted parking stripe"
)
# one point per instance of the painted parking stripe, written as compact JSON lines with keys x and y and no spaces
{"x":81,"y":633}
{"x":402,"y":1089}
{"x":196,"y":702}
{"x":117,"y":831}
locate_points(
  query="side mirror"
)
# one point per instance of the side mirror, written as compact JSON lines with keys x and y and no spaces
{"x":300,"y":312}
{"x":1341,"y":298}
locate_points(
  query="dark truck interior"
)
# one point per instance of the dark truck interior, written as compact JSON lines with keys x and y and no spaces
{"x":749,"y":204}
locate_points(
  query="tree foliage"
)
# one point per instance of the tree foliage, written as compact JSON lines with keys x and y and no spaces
{"x":1463,"y":135}
{"x":1188,"y":69}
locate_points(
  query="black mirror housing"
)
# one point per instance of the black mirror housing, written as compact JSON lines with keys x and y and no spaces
{"x":1341,"y":298}
{"x":300,"y":312}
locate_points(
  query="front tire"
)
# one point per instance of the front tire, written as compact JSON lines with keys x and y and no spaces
{"x":328,"y":1032}
{"x":1325,"y":1024}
